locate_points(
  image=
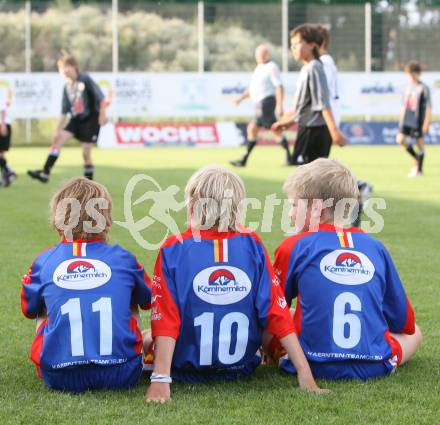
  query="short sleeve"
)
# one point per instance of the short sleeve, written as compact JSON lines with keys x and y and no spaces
{"x":65,"y":104}
{"x":396,"y":307}
{"x":32,"y":301}
{"x":427,"y":94}
{"x":319,"y":93}
{"x":283,"y":266}
{"x":273,"y":311}
{"x":142,"y":288}
{"x":275,"y":75}
{"x":94,"y":90}
{"x":165,"y":315}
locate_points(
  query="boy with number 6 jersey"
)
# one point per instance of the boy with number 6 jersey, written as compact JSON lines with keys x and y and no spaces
{"x":352,"y":315}
{"x":85,"y":295}
{"x":215,"y":298}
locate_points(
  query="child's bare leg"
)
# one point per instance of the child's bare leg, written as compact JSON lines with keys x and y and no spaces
{"x":409,"y":344}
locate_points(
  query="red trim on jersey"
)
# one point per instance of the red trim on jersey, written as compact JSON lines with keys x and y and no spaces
{"x":134,"y":327}
{"x":147,"y":281}
{"x":165,"y":316}
{"x":37,"y":347}
{"x":279,"y":322}
{"x":396,"y":349}
{"x":327,"y":227}
{"x":83,"y":240}
{"x":282,"y":256}
{"x":409,"y":327}
{"x":26,"y":280}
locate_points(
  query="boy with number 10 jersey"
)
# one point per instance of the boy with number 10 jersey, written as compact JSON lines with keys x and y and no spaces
{"x":215,"y":297}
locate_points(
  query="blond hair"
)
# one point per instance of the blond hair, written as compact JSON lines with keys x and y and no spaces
{"x":214,"y":198}
{"x":322,"y":179}
{"x":82,"y":209}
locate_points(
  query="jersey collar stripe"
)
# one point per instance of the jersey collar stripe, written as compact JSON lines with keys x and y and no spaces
{"x":225,"y":250}
{"x":79,"y":249}
{"x":216,"y":251}
{"x":220,"y":250}
{"x":345,"y":239}
{"x":349,"y":239}
{"x":341,"y":239}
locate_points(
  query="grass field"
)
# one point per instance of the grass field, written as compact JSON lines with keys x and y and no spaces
{"x":411,"y":232}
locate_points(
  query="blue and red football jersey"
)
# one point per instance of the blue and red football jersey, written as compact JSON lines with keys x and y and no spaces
{"x":88,"y":291}
{"x":349,"y":295}
{"x":215,"y":295}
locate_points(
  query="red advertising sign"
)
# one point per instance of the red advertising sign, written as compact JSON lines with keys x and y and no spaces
{"x":145,"y":134}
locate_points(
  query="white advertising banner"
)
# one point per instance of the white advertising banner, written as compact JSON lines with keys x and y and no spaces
{"x":38,"y":95}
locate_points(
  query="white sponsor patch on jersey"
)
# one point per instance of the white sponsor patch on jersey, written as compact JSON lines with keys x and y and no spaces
{"x":81,"y":273}
{"x":347,"y":267}
{"x":222,"y":285}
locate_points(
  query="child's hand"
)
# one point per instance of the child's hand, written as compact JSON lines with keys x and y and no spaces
{"x":338,"y":138}
{"x":307,"y":383}
{"x":3,"y":129}
{"x":158,"y":392}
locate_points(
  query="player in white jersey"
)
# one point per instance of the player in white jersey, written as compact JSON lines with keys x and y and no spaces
{"x":267,"y":92}
{"x":7,"y":174}
{"x":331,"y":73}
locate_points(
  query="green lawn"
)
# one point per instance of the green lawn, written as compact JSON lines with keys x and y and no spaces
{"x":411,"y":233}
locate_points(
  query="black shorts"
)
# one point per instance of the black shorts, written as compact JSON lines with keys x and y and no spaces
{"x":265,"y":112}
{"x":5,"y":141}
{"x":85,"y":130}
{"x":311,"y":143}
{"x":416,"y":133}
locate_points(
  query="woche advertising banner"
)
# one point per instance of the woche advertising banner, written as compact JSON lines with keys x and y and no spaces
{"x":174,"y":95}
{"x":229,"y":134}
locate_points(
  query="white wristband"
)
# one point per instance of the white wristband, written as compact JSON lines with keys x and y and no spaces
{"x":164,"y":379}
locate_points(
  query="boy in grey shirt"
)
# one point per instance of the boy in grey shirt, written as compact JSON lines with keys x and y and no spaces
{"x":317,"y":129}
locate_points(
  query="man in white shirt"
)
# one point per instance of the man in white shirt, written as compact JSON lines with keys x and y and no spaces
{"x":267,"y":92}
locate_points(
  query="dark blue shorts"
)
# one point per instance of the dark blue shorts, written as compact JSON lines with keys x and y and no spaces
{"x":193,"y":376}
{"x":345,"y":370}
{"x":94,"y":377}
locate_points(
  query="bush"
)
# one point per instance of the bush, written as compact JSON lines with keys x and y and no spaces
{"x":147,"y":41}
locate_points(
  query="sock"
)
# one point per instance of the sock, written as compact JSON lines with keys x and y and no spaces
{"x":285,"y":145}
{"x":420,"y":158}
{"x":88,"y":171}
{"x":250,"y":146}
{"x":411,"y":151}
{"x":3,"y":165}
{"x":50,"y":162}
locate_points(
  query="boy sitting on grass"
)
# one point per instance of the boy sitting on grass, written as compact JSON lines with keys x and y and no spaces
{"x":352,"y":315}
{"x":85,"y":295}
{"x":215,"y":297}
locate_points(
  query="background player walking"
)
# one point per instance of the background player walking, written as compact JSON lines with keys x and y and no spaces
{"x":415,"y":116}
{"x":267,"y":91}
{"x":83,"y":100}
